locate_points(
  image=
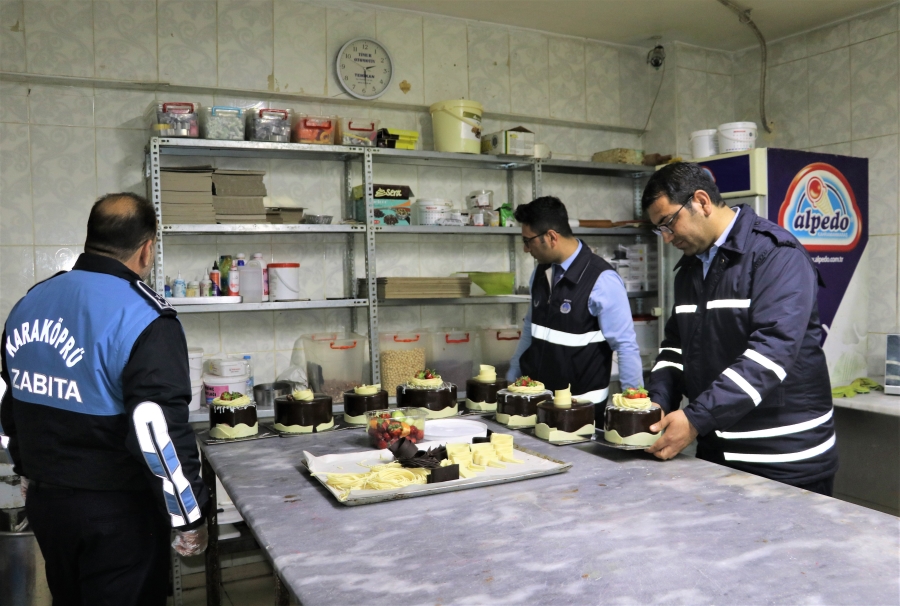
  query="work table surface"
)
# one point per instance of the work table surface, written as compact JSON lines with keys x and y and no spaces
{"x":619,"y":527}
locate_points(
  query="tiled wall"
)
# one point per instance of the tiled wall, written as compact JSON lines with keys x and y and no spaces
{"x":836,"y":90}
{"x":61,"y":147}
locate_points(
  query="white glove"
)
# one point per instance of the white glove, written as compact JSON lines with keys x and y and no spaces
{"x":23,"y":486}
{"x":191,"y":542}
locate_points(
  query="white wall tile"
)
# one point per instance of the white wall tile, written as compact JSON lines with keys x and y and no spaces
{"x":488,"y":56}
{"x":345,"y":24}
{"x":882,"y":251}
{"x":827,"y":38}
{"x":529,"y":76}
{"x":61,"y":105}
{"x":247,"y":331}
{"x":634,"y":87}
{"x":49,"y":260}
{"x":202,"y":330}
{"x":12,"y":36}
{"x":16,"y":221}
{"x":873,"y":24}
{"x":692,"y":110}
{"x":63,"y":182}
{"x":402,"y":35}
{"x":884,"y":208}
{"x":121,"y":108}
{"x":877,"y":346}
{"x":746,"y":98}
{"x":829,"y":97}
{"x":443,"y":316}
{"x":60,"y":37}
{"x":788,"y":106}
{"x":841,"y":149}
{"x":446,"y":60}
{"x":602,"y":83}
{"x":120,"y":160}
{"x":187,"y":42}
{"x":13,"y":102}
{"x":786,"y":50}
{"x":567,"y":79}
{"x":719,"y":62}
{"x":690,"y":57}
{"x":245,"y":44}
{"x":300,"y":44}
{"x":874,"y":82}
{"x":747,"y":60}
{"x":125,"y":39}
{"x":720,"y":103}
{"x":436,"y":182}
{"x":16,"y":276}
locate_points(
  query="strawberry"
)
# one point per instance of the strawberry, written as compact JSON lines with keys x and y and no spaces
{"x":634,"y":394}
{"x":381,"y":445}
{"x":524,"y":382}
{"x":427,"y":374}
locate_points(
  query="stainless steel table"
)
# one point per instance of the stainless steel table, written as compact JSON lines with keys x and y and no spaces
{"x":619,"y":527}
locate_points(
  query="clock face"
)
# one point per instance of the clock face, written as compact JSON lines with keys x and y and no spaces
{"x":364,"y":68}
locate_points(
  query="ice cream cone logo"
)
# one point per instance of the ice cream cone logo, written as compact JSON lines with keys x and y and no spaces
{"x":816,"y":192}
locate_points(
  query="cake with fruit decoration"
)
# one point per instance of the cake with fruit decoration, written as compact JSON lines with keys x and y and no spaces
{"x":564,"y":419}
{"x":232,"y":415}
{"x":428,"y":391}
{"x":517,"y":404}
{"x":629,"y":417}
{"x":481,"y":391}
{"x":303,"y":412}
{"x":361,"y":399}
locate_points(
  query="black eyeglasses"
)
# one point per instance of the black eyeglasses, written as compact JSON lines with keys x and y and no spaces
{"x":527,"y":241}
{"x":666,"y":228}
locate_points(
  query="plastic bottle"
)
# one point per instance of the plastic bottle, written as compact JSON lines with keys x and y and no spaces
{"x":167,"y":287}
{"x":205,"y":286}
{"x":216,"y":278}
{"x":248,"y":363}
{"x":178,"y":287}
{"x":192,"y":288}
{"x":258,"y":259}
{"x":234,"y":280}
{"x":241,"y":259}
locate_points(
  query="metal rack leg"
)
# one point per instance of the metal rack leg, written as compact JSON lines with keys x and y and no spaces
{"x":177,"y":598}
{"x":282,"y":595}
{"x":213,"y":573}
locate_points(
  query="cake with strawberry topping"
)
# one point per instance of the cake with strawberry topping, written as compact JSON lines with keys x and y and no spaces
{"x":361,"y":399}
{"x":303,"y":411}
{"x":564,"y":418}
{"x":481,"y":391}
{"x":517,"y":404}
{"x":629,"y":417}
{"x":232,"y":415}
{"x":428,"y":391}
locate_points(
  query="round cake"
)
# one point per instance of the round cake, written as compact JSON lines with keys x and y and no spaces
{"x":232,"y":415}
{"x":564,"y":419}
{"x":303,"y":412}
{"x":361,"y":399}
{"x":629,"y":417}
{"x":517,"y":404}
{"x":426,"y":390}
{"x":481,"y":391}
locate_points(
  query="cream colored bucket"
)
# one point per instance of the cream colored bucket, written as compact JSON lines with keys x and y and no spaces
{"x":457,"y":126}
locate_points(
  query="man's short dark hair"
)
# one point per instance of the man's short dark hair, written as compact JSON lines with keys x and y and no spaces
{"x":678,"y":182}
{"x":119,"y":224}
{"x":544,"y":213}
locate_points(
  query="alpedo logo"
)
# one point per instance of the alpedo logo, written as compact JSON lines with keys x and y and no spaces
{"x":820,"y":209}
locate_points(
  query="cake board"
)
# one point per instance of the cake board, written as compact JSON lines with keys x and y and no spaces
{"x":264,"y":432}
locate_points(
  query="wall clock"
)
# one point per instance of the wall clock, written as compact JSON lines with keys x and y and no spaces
{"x":364,"y":68}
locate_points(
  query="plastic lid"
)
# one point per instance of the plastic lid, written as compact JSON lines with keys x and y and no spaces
{"x":703,"y":133}
{"x":257,"y":256}
{"x":451,"y":103}
{"x":276,"y":265}
{"x":241,"y":256}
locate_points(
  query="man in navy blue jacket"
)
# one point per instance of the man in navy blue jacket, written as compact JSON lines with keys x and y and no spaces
{"x":743,"y":341}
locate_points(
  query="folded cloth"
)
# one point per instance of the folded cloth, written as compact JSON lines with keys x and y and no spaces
{"x":861,"y":385}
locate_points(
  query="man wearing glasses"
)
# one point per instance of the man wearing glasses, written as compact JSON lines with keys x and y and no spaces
{"x":579,"y":312}
{"x":743,"y":340}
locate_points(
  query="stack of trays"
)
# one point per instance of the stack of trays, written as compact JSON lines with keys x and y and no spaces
{"x":186,"y":195}
{"x":397,"y":138}
{"x":418,"y":288}
{"x":239,"y":196}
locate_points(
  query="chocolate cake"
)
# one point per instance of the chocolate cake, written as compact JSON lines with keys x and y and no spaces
{"x":628,"y":419}
{"x":481,"y":391}
{"x":569,"y":419}
{"x":356,"y":405}
{"x":232,"y":415}
{"x":519,"y":409}
{"x":436,"y":400}
{"x":297,"y":415}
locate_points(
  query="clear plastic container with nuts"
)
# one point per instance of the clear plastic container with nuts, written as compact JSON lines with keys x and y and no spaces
{"x":402,"y":356}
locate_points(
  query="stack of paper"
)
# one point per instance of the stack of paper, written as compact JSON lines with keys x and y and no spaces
{"x":186,"y":195}
{"x":418,"y":288}
{"x":239,"y":196}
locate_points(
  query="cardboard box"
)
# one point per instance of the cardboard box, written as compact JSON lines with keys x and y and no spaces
{"x":518,"y":141}
{"x":387,"y":212}
{"x":619,"y":155}
{"x":381,"y":191}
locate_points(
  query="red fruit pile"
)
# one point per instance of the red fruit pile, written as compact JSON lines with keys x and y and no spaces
{"x":634,"y":394}
{"x":385,"y":430}
{"x":427,"y":374}
{"x":524,"y":382}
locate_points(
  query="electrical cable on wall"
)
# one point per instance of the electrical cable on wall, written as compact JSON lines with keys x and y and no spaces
{"x":656,"y":58}
{"x":744,"y":17}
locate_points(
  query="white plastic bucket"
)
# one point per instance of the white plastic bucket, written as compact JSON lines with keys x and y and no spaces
{"x":195,"y":362}
{"x":430,"y":210}
{"x":457,"y":126}
{"x":214,"y":386}
{"x":227,"y":367}
{"x":704,"y":143}
{"x":197,"y":395}
{"x":284,"y":281}
{"x":736,"y":136}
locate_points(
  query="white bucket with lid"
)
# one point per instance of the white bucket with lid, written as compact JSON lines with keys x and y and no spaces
{"x":284,"y":281}
{"x":736,"y":136}
{"x":457,"y":126}
{"x":430,"y":210}
{"x":704,"y":143}
{"x":197,"y":395}
{"x":195,"y":363}
{"x":214,"y":386}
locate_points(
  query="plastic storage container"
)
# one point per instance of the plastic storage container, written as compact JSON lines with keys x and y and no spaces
{"x":428,"y":211}
{"x":402,"y":356}
{"x":335,"y":362}
{"x":737,"y":136}
{"x":319,"y":130}
{"x":452,"y":353}
{"x":273,"y":125}
{"x":498,"y":345}
{"x":359,"y":131}
{"x":457,"y":126}
{"x":214,"y":386}
{"x":223,"y":123}
{"x":195,"y":363}
{"x":284,"y":281}
{"x":174,"y":119}
{"x":704,"y":143}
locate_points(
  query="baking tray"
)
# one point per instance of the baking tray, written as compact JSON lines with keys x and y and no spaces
{"x":591,"y":438}
{"x":264,"y":432}
{"x":535,"y":465}
{"x":602,"y":441}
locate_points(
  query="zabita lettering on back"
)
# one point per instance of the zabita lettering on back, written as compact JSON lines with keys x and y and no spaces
{"x":49,"y":332}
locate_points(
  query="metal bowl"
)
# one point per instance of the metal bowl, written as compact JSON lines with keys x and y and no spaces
{"x":265,"y":393}
{"x":317,"y":219}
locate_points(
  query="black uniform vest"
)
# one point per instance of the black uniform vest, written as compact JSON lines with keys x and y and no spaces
{"x":567,"y":346}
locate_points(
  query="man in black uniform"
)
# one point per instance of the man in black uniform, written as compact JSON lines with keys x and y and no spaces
{"x":96,"y":408}
{"x":743,"y":340}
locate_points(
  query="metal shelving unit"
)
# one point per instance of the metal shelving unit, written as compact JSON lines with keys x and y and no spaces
{"x":364,"y":159}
